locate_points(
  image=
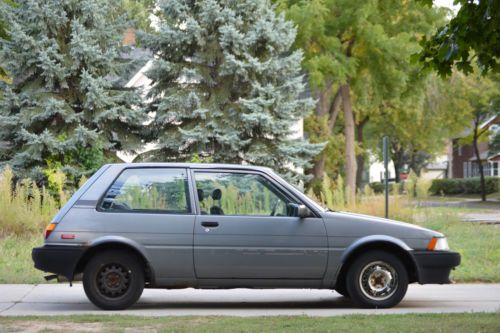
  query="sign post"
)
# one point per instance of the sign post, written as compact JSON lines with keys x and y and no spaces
{"x":386,"y":175}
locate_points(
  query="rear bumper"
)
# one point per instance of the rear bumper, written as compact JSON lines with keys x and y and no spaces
{"x":57,"y":259}
{"x":434,"y":266}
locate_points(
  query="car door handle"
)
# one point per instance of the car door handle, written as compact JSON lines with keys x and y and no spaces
{"x":210,"y":224}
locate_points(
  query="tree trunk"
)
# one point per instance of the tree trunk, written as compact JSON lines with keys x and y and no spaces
{"x":397,"y":171}
{"x":318,"y":168}
{"x":329,"y":108}
{"x":350,"y":153}
{"x":479,"y":162}
{"x":398,"y":159}
{"x":321,"y":110}
{"x":360,"y":158}
{"x":360,"y":162}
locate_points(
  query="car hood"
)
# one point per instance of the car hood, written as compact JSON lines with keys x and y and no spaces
{"x":347,"y":224}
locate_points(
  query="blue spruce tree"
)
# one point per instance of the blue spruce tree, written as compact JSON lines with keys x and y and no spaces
{"x":226,"y":85}
{"x":63,"y":107}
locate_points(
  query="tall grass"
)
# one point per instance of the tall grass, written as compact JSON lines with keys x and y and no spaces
{"x":333,"y":195}
{"x":24,"y":206}
{"x":403,"y":201}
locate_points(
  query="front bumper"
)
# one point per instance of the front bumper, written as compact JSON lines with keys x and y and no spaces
{"x":435,"y":266}
{"x":57,"y":259}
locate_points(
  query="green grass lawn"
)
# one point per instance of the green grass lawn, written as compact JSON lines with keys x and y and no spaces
{"x":479,"y":245}
{"x":461,"y":322}
{"x":16,"y":265}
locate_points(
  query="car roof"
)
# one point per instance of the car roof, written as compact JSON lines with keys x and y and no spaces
{"x":195,"y":166}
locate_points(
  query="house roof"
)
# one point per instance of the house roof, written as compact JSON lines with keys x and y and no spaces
{"x":487,"y":122}
{"x":138,"y":58}
{"x":437,"y":166}
{"x":484,"y":156}
{"x":468,"y":130}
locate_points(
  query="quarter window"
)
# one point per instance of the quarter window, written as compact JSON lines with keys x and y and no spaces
{"x":149,"y":190}
{"x":239,"y":194}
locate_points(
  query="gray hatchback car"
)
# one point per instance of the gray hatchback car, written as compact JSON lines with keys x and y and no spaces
{"x":170,"y":225}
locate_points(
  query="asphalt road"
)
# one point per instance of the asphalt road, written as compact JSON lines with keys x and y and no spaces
{"x":60,"y":299}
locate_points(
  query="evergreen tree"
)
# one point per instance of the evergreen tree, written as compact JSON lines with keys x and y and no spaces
{"x":3,"y":35}
{"x":63,"y":108}
{"x":226,"y":85}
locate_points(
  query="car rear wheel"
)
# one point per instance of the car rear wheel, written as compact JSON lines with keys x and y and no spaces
{"x":113,"y":280}
{"x":377,"y":279}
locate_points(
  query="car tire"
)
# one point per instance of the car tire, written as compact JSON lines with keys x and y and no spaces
{"x":377,"y":279}
{"x":341,"y":289}
{"x":113,"y":280}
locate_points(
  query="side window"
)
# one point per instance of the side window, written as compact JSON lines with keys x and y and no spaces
{"x":149,"y":190}
{"x":239,"y":194}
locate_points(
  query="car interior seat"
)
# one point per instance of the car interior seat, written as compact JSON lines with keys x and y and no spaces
{"x":201,"y":196}
{"x":216,"y":209}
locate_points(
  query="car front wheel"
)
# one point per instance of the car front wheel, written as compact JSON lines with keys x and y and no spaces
{"x":377,"y":279}
{"x":113,"y":280}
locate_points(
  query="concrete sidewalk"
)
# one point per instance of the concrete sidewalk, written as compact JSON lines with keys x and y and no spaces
{"x":60,"y":299}
{"x":487,"y":218}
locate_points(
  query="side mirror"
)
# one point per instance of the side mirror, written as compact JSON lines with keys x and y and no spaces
{"x":300,"y":211}
{"x":303,"y":212}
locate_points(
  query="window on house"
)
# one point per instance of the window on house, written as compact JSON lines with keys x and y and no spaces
{"x":494,"y":169}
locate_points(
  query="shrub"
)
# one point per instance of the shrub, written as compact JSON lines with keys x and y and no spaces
{"x":377,"y":187}
{"x":464,"y":185}
{"x":25,"y":208}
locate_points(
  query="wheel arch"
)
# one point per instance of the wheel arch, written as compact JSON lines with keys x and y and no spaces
{"x":116,"y":243}
{"x":378,"y":242}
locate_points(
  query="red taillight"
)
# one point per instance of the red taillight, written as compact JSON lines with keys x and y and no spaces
{"x":49,"y":229}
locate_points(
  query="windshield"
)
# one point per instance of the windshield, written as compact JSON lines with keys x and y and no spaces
{"x":302,"y":195}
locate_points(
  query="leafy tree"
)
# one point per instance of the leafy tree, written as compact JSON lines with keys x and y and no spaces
{"x":419,"y":127}
{"x":226,"y":85}
{"x":357,"y":57}
{"x":62,"y":108}
{"x":474,"y":33}
{"x":480,"y":95}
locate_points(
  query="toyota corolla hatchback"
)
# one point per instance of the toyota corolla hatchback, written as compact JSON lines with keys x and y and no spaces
{"x":168,"y":225}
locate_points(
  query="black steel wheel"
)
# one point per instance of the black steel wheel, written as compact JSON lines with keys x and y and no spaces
{"x":113,"y":280}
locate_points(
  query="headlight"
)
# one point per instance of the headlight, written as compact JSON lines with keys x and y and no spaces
{"x":438,"y":244}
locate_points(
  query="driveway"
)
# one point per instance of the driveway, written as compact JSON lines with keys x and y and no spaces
{"x":60,"y":299}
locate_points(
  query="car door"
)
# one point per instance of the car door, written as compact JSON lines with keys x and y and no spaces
{"x":152,"y":207}
{"x":243,"y":230}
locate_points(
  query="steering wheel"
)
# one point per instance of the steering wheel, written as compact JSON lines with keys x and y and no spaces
{"x":120,"y":206}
